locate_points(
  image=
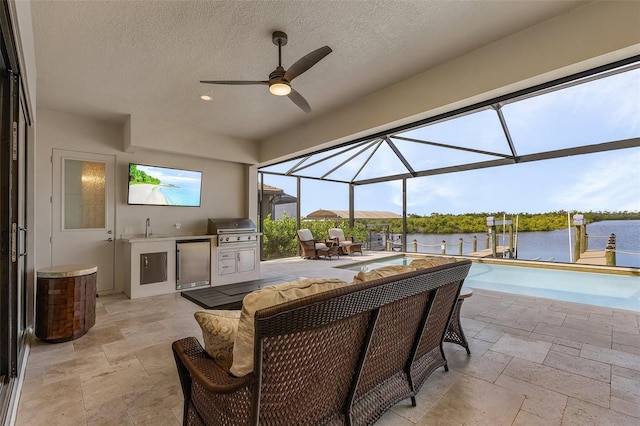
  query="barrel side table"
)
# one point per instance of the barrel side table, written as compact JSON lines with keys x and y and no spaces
{"x":65,"y":302}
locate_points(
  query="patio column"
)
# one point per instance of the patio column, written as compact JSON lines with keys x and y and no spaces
{"x":404,"y":214}
{"x":351,"y":208}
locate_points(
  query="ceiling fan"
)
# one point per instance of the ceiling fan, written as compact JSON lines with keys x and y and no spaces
{"x":280,"y":79}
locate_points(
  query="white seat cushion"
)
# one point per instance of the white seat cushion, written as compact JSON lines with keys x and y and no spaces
{"x":305,"y":235}
{"x":321,"y":246}
{"x":263,"y":298}
{"x":337,"y":233}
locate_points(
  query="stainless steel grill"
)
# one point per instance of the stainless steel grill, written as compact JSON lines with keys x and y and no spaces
{"x":233,"y":231}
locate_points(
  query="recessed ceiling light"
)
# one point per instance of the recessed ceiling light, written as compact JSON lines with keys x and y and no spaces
{"x":206,"y":97}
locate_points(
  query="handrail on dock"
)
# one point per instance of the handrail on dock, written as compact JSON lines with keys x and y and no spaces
{"x":589,"y":257}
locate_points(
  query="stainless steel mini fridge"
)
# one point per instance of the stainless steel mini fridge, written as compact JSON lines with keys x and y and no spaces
{"x":193,"y":264}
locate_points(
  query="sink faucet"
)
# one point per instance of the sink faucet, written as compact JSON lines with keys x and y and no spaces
{"x":147,"y":228}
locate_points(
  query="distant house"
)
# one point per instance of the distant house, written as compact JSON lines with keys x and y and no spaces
{"x":357,"y":214}
{"x":377,"y":237}
{"x":276,"y":202}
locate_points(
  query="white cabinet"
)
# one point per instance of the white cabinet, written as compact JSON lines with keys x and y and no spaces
{"x":246,"y":260}
{"x":138,"y":256}
{"x":236,"y":265}
{"x":150,"y":268}
{"x":226,"y":262}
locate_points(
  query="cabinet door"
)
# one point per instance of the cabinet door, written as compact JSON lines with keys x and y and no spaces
{"x":246,"y":260}
{"x":226,"y":263}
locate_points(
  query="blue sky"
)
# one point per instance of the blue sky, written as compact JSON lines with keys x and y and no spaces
{"x":599,"y":111}
{"x":592,"y":182}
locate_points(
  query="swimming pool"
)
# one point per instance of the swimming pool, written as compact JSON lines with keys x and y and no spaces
{"x":592,"y":288}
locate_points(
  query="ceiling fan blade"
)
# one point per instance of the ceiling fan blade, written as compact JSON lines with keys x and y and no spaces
{"x":233,"y":82}
{"x":306,"y":62}
{"x":299,"y":100}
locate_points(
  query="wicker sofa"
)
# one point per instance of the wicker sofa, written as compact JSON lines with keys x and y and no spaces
{"x":343,"y":356}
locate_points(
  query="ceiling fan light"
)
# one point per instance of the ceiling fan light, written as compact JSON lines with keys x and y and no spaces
{"x":280,"y":89}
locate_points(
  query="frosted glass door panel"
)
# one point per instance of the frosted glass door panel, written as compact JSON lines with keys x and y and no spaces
{"x":84,"y":194}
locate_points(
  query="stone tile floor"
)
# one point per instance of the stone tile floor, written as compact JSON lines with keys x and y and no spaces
{"x":533,"y":362}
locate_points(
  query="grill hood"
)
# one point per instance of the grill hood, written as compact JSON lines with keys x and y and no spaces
{"x":230,"y":226}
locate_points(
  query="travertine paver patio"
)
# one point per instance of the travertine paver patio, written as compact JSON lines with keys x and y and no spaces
{"x":533,"y":362}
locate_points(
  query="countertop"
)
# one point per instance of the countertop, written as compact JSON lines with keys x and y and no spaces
{"x":140,"y":238}
{"x":65,"y":271}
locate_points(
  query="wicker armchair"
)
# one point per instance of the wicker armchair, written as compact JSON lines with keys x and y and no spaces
{"x":313,"y":249}
{"x":347,"y":245}
{"x":344,"y":356}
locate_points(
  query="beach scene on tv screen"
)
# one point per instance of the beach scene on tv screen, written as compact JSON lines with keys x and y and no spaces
{"x":163,"y":186}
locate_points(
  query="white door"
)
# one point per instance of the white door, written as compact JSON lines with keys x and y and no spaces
{"x":83,"y":212}
{"x":246,"y":260}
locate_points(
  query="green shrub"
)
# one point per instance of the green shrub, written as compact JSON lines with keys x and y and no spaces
{"x":280,"y":238}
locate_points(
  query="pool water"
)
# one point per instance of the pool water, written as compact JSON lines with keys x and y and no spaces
{"x":592,"y":288}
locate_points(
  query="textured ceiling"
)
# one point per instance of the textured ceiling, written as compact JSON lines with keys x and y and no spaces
{"x":109,"y":59}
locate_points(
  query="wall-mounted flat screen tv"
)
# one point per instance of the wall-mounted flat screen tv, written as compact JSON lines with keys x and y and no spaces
{"x":163,"y":186}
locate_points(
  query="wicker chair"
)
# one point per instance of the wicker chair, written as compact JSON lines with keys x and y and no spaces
{"x":347,"y":245}
{"x":313,"y":249}
{"x":344,"y":356}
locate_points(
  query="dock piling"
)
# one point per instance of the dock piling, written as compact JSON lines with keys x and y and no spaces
{"x":610,"y":251}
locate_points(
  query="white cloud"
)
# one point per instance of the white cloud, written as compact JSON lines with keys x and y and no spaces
{"x":611,"y":182}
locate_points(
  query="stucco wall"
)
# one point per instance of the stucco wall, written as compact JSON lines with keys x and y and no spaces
{"x":224,"y":186}
{"x":157,"y":135}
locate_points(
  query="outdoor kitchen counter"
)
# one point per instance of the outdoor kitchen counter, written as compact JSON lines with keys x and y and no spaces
{"x":155,"y":257}
{"x":140,"y":238}
{"x":150,"y":263}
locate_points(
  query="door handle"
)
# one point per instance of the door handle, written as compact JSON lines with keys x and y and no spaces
{"x":14,"y":243}
{"x":178,"y":264}
{"x":24,"y":253}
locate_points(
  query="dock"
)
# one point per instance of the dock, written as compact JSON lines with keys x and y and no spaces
{"x":592,"y":257}
{"x":489,"y":252}
{"x":582,"y":255}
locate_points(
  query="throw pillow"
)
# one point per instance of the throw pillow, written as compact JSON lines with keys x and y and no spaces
{"x":263,"y":298}
{"x":219,"y":329}
{"x":385,"y":271}
{"x":429,"y":261}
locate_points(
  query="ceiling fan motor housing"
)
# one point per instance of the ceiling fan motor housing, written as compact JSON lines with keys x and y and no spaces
{"x":277,"y":74}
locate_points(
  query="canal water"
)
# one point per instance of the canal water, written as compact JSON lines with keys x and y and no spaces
{"x":552,"y":246}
